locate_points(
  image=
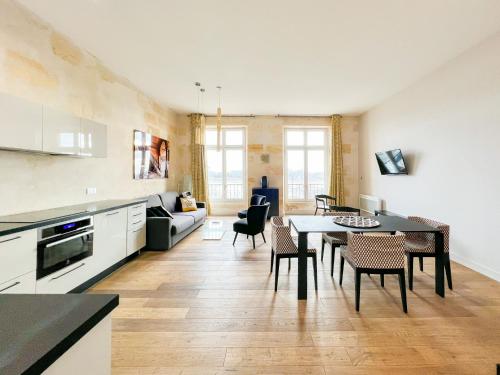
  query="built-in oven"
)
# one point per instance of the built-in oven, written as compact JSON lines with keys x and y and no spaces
{"x":62,"y":244}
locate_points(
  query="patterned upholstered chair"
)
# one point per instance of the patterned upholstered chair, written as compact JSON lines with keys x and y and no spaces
{"x":285,"y":246}
{"x":335,"y":239}
{"x":422,"y":245}
{"x":382,"y":255}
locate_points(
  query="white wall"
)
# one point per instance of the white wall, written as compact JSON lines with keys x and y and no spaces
{"x":448,"y":126}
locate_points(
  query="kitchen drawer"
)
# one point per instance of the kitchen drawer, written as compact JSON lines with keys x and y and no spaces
{"x":66,"y":279}
{"x":25,"y":284}
{"x":17,"y":254}
{"x":134,"y":210}
{"x":136,"y":239}
{"x":137,"y":221}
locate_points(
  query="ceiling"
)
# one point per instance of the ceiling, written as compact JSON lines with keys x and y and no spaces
{"x":273,"y":57}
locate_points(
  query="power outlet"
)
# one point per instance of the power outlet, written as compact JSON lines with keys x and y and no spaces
{"x":91,"y":191}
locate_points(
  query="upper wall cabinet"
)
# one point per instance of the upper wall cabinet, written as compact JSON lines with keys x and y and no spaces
{"x":61,"y":132}
{"x":35,"y":127}
{"x":93,"y":140}
{"x":20,"y":124}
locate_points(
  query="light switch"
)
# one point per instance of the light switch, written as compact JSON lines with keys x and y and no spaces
{"x":91,"y":191}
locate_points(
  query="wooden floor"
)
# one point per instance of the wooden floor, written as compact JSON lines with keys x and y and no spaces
{"x":206,"y":307}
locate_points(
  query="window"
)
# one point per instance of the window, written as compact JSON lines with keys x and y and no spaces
{"x":306,"y":163}
{"x":226,"y":168}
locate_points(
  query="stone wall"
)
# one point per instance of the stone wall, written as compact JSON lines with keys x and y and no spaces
{"x":265,"y":137}
{"x":41,"y":65}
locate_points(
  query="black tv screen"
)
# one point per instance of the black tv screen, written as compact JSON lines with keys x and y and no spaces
{"x":391,"y":162}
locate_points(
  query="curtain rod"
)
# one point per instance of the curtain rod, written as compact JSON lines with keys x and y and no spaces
{"x":277,"y":116}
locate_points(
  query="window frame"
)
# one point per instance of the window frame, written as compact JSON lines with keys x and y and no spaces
{"x":304,"y":147}
{"x":224,"y":148}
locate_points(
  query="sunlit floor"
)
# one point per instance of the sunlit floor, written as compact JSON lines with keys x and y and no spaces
{"x":206,"y":307}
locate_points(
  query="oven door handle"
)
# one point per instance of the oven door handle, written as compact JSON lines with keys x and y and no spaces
{"x":69,"y":238}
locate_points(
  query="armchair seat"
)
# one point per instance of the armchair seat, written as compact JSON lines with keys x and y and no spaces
{"x":255,"y":223}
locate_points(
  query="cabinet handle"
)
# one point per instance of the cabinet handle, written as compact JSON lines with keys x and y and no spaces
{"x":113,"y":213}
{"x":137,"y":206}
{"x":140,"y":213}
{"x":137,"y":222}
{"x":10,"y":286}
{"x":65,"y":273}
{"x":10,"y":239}
{"x":137,"y":230}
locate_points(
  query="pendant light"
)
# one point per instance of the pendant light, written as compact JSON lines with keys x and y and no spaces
{"x":218,"y":121}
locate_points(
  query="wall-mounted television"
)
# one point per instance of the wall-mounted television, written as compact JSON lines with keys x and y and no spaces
{"x":391,"y":162}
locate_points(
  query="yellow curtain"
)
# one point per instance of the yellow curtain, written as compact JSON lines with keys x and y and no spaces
{"x":336,"y":170}
{"x":198,"y":163}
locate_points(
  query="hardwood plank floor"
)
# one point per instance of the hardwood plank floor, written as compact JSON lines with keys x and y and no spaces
{"x":206,"y":307}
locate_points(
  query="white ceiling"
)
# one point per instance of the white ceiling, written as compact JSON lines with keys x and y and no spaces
{"x":279,"y":56}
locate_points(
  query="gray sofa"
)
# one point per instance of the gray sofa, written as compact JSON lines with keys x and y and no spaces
{"x":164,"y":232}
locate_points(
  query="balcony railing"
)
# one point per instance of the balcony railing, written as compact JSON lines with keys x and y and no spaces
{"x":297,"y":191}
{"x":231,"y":191}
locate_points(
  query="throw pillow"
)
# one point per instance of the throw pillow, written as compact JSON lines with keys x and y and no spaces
{"x":188,"y":204}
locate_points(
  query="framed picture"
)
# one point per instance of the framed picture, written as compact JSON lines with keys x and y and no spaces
{"x":151,"y":156}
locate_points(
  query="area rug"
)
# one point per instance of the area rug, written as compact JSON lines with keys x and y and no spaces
{"x":213,"y":230}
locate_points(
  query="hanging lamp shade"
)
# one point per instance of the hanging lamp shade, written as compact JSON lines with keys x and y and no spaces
{"x":218,"y":122}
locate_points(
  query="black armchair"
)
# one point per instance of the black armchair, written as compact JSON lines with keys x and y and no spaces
{"x":255,"y":222}
{"x":255,"y":200}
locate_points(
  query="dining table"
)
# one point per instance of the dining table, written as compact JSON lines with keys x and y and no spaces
{"x":305,"y":224}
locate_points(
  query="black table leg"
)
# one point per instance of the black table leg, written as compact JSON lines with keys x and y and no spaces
{"x":302,"y":281}
{"x":439,"y":245}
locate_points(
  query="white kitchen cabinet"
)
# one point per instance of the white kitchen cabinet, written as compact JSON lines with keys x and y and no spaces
{"x":61,"y":132}
{"x":66,"y":279}
{"x":93,"y":139}
{"x":136,"y":228}
{"x":24,"y":284}
{"x":17,"y":254}
{"x":20,"y":124}
{"x":110,"y":238}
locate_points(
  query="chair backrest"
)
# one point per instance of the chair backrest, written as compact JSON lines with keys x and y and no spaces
{"x":257,"y":200}
{"x":383,"y":251}
{"x":281,"y":239}
{"x":429,"y":237}
{"x":322,"y":200}
{"x":340,"y":213}
{"x":257,"y":216}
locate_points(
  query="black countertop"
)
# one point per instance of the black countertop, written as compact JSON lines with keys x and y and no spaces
{"x":37,"y":329}
{"x":29,"y":220}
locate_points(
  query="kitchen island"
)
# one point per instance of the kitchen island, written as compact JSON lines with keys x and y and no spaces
{"x":56,"y":334}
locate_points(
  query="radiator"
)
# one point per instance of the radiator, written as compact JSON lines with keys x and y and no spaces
{"x":369,"y":204}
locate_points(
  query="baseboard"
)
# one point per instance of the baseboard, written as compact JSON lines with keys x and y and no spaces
{"x":495,"y":275}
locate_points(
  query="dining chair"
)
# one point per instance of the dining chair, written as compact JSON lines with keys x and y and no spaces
{"x":323,"y":202}
{"x":283,"y":245}
{"x":421,"y":245}
{"x":255,"y":222}
{"x":384,"y":254}
{"x":334,"y":239}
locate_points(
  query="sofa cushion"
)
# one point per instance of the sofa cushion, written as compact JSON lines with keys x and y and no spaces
{"x":180,"y":223}
{"x":168,"y":199}
{"x":197,"y":215}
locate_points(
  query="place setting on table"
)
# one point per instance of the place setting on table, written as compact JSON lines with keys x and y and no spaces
{"x":306,"y":224}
